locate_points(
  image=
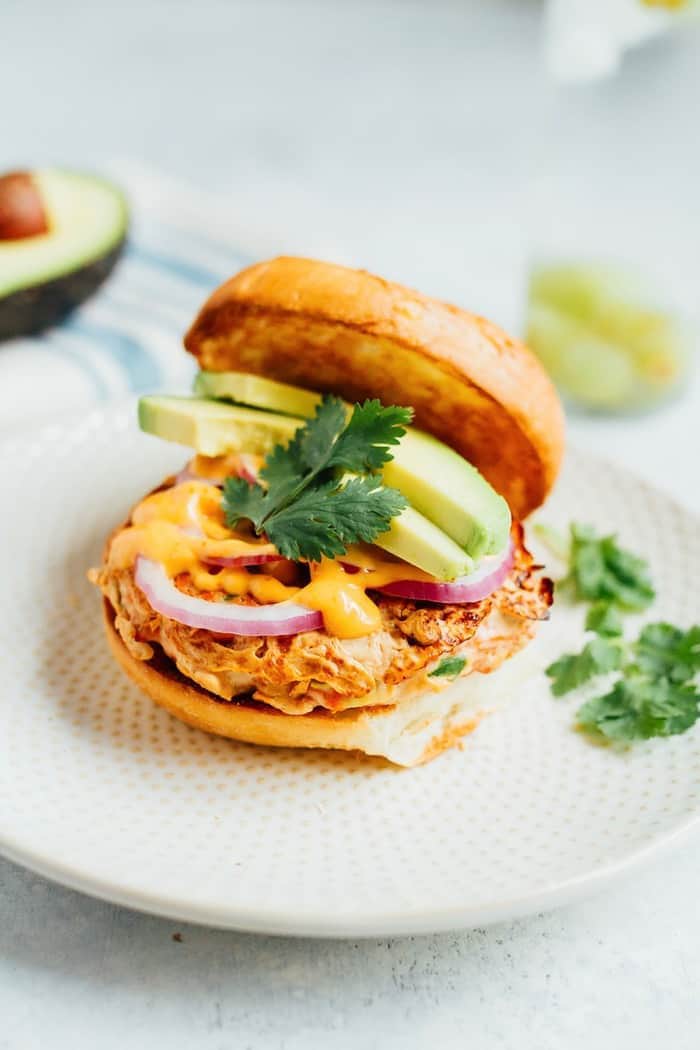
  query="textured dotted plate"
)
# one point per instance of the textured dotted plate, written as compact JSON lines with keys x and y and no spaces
{"x":105,"y":792}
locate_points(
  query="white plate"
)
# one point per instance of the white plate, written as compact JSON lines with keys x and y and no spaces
{"x":105,"y":792}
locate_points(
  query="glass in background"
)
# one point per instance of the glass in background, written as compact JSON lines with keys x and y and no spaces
{"x":612,"y":290}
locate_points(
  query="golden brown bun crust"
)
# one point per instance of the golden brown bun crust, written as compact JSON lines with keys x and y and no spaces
{"x":376,"y":731}
{"x":329,"y":328}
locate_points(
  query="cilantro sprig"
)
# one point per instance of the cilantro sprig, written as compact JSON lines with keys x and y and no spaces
{"x":638,"y":708}
{"x":604,"y":619}
{"x":320,"y":492}
{"x":600,"y":570}
{"x":655,"y":693}
{"x":664,"y":651}
{"x":571,"y":670}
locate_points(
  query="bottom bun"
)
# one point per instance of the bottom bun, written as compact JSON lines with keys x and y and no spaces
{"x":408,"y":733}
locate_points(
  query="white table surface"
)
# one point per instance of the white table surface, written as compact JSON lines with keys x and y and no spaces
{"x":424,"y":141}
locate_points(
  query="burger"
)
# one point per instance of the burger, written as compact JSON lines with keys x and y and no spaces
{"x":341,"y":562}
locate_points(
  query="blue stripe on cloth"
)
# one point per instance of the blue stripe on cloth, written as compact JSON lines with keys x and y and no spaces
{"x":150,"y":311}
{"x":190,"y":272}
{"x":140,"y":282}
{"x":140,"y":367}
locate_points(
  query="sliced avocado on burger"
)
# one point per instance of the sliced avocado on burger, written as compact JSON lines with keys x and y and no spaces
{"x":215,"y":428}
{"x":437,"y":481}
{"x":455,"y":516}
{"x":61,"y":233}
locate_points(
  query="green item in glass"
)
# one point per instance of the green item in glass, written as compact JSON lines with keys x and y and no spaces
{"x":601,"y":338}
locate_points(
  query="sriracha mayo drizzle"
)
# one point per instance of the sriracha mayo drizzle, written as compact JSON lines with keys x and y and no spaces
{"x":158,"y":532}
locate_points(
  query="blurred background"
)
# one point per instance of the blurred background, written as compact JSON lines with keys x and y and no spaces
{"x":449,"y":145}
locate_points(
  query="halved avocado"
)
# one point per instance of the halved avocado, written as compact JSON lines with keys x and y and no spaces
{"x":61,"y":233}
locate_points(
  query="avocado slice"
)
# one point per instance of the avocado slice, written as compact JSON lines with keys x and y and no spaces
{"x":247,"y":389}
{"x":437,"y":481}
{"x":450,"y":492}
{"x":416,"y":540}
{"x":214,"y":428}
{"x":48,"y":268}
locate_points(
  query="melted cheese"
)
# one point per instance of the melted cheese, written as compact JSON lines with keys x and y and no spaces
{"x":183,"y":528}
{"x":216,"y":468}
{"x":341,"y":599}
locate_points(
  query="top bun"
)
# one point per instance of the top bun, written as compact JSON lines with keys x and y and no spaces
{"x":329,"y":328}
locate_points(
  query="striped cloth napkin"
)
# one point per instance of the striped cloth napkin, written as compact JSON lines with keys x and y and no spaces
{"x":128,"y":337}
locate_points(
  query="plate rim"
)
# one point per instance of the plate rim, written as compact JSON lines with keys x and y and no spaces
{"x":409,"y":922}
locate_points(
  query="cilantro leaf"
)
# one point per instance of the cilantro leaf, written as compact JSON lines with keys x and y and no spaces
{"x":604,"y":619}
{"x":638,"y":708}
{"x":241,"y":500}
{"x":330,"y":440}
{"x":302,"y":505}
{"x":663,"y":650}
{"x":372,"y":429}
{"x":324,"y":519}
{"x":599,"y":656}
{"x":450,"y":667}
{"x":318,"y":438}
{"x":601,"y":570}
{"x":285,"y":462}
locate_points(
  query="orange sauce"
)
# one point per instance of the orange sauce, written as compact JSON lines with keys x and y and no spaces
{"x":183,"y":527}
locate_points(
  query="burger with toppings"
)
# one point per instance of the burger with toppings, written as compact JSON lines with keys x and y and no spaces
{"x":341,"y":562}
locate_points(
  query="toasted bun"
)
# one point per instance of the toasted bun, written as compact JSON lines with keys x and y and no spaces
{"x":407,"y":734}
{"x":329,"y":328}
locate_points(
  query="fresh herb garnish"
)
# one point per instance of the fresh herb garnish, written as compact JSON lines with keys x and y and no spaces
{"x":570,"y":671}
{"x":640,"y":707}
{"x":666,"y":651}
{"x":655,"y":693}
{"x":605,"y":620}
{"x":320,"y":492}
{"x":450,"y":667}
{"x":325,"y":518}
{"x":601,"y":570}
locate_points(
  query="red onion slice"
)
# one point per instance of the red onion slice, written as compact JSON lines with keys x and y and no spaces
{"x":282,"y":618}
{"x":487,"y":578}
{"x":241,"y":560}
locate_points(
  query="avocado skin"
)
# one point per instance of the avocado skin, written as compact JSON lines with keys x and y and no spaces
{"x":30,"y":310}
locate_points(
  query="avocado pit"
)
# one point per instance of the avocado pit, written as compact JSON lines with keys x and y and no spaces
{"x":22,"y":211}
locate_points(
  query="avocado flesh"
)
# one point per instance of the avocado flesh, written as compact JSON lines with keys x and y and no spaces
{"x":437,"y":481}
{"x":42,"y":278}
{"x":450,"y":492}
{"x":248,"y":389}
{"x":417,"y":541}
{"x":215,"y":428}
